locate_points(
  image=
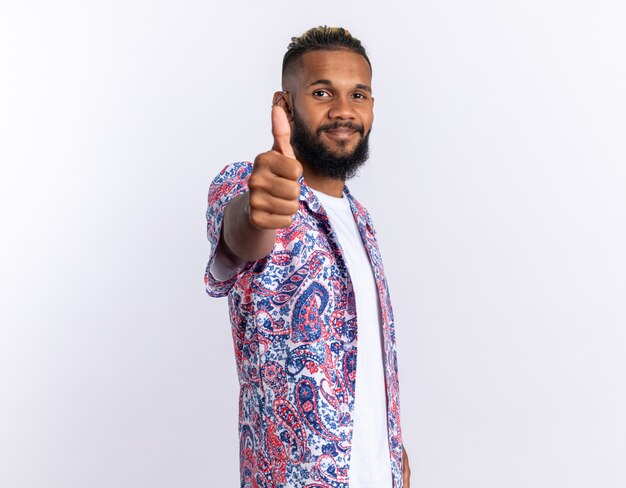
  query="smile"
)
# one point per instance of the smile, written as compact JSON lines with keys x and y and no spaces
{"x":340,"y":133}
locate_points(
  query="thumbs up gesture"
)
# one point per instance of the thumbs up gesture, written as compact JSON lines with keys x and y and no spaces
{"x":273,"y":184}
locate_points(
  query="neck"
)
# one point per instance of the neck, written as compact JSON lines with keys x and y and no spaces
{"x":330,"y":186}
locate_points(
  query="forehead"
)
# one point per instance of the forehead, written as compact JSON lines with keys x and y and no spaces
{"x":339,"y":67}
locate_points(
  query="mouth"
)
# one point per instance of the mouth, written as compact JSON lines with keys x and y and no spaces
{"x":341,"y":133}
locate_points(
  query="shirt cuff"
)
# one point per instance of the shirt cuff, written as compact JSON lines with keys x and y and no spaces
{"x":224,"y":267}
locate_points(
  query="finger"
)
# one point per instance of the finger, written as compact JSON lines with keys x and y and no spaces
{"x":285,"y":167}
{"x":281,"y":131}
{"x":272,"y":163}
{"x":278,"y":178}
{"x":268,"y":220}
{"x":282,"y":187}
{"x":273,"y":205}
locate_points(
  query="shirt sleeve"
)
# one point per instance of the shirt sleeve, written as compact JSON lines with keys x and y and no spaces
{"x":231,"y":182}
{"x":223,"y":268}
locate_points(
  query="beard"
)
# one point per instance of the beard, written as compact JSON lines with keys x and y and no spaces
{"x":317,"y":156}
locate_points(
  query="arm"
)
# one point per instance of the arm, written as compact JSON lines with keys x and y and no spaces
{"x":406,"y":470}
{"x":251,"y":219}
{"x":241,"y":240}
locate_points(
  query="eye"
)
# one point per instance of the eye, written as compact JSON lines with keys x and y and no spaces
{"x":320,"y":93}
{"x":359,"y":96}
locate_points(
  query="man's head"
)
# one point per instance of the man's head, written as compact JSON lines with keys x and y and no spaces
{"x":327,"y":77}
{"x":321,"y":39}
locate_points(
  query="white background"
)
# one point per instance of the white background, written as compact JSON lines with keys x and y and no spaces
{"x":497,"y":185}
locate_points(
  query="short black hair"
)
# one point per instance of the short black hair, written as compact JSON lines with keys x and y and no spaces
{"x":322,"y":38}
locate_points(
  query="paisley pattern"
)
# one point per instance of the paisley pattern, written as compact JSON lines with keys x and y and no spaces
{"x":294,"y":327}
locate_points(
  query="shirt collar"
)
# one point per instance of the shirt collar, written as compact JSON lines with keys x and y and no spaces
{"x":310,"y":199}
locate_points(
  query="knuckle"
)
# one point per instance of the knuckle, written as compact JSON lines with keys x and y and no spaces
{"x":255,"y":219}
{"x":263,"y":163}
{"x":255,"y":201}
{"x":256,"y":183}
{"x":293,"y":207}
{"x":294,"y":191}
{"x":285,"y":221}
{"x":253,"y":182}
{"x":259,"y":220}
{"x":294,"y":172}
{"x":261,"y":160}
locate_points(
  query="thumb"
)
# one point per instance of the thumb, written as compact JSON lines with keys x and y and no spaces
{"x":281,"y":131}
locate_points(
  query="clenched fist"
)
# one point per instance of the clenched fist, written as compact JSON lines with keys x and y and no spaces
{"x":273,"y":184}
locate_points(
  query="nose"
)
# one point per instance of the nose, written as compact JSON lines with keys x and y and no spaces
{"x":341,"y":109}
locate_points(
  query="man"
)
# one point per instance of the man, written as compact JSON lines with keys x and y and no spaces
{"x":309,"y":304}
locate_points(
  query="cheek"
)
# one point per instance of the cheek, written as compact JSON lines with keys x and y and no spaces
{"x":315,"y":119}
{"x":367,"y":116}
{"x":308,"y":110}
{"x":310,"y":121}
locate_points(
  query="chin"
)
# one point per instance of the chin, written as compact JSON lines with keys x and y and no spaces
{"x":343,"y":149}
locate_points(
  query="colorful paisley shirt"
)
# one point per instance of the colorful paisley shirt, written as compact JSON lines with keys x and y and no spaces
{"x":294,"y":327}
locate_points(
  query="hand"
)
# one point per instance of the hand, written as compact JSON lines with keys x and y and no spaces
{"x":274,"y":188}
{"x":406,"y":470}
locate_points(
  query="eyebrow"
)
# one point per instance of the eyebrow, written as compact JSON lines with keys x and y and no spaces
{"x":360,"y":86}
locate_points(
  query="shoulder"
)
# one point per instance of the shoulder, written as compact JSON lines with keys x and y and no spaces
{"x":233,"y":179}
{"x":234,"y":172}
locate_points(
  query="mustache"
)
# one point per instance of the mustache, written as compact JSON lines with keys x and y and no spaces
{"x":337,"y":125}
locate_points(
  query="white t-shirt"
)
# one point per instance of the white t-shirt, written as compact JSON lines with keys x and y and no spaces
{"x":370,"y":464}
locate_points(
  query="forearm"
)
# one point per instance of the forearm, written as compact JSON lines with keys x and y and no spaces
{"x":240,"y":238}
